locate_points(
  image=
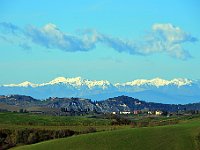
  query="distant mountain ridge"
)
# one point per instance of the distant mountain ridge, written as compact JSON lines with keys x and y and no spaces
{"x":178,"y":90}
{"x":78,"y":81}
{"x":115,"y":104}
{"x":75,"y":82}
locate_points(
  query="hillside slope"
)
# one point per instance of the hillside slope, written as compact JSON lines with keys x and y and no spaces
{"x":115,"y":104}
{"x":177,"y":137}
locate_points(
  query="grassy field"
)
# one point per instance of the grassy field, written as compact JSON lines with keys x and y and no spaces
{"x":44,"y":120}
{"x":25,"y":128}
{"x":16,"y":121}
{"x":183,"y":136}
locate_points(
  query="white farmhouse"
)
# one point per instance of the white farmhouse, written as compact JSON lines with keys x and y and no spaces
{"x":125,"y":112}
{"x":158,"y":112}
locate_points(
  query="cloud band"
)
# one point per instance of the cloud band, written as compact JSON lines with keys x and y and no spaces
{"x":163,"y":38}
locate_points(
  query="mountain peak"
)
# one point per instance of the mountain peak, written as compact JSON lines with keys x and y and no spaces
{"x":157,"y":82}
{"x":23,"y":84}
{"x":155,"y":89}
{"x":181,"y":81}
{"x":59,"y":79}
{"x":78,"y":82}
{"x":64,"y":80}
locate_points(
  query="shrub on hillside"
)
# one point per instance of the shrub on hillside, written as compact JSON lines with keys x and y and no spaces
{"x":9,"y":138}
{"x":118,"y":120}
{"x":89,"y":130}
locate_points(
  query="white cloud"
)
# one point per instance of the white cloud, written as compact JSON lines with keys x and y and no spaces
{"x":51,"y":37}
{"x":172,"y":34}
{"x":168,"y":38}
{"x":163,"y":38}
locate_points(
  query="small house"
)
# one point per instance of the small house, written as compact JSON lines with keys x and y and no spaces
{"x":125,"y":112}
{"x":135,"y":112}
{"x":158,"y":112}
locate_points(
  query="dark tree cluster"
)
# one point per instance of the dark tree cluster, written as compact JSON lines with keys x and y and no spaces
{"x":10,"y":138}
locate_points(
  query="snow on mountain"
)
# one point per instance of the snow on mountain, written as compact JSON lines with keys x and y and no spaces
{"x":157,"y":82}
{"x":78,"y":81}
{"x":102,"y":83}
{"x":179,"y":90}
{"x":23,"y":84}
{"x":181,"y":82}
{"x":75,"y":82}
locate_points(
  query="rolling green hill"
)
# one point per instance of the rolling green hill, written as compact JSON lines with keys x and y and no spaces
{"x":33,"y":119}
{"x":184,"y":136}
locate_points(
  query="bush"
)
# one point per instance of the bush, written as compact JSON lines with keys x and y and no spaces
{"x":89,"y":130}
{"x":118,"y":120}
{"x":133,"y":124}
{"x":198,"y":139}
{"x":9,"y":138}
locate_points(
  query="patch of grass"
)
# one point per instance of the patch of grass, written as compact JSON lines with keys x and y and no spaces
{"x":43,"y":120}
{"x":77,"y":128}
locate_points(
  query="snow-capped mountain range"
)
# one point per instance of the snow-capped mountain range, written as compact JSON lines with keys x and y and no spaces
{"x":157,"y":90}
{"x":75,"y":82}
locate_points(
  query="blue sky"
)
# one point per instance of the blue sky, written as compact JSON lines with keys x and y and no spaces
{"x":110,"y":40}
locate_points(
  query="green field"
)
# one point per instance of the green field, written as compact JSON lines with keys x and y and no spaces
{"x":17,"y":121}
{"x":183,"y":136}
{"x":44,"y":120}
{"x":26,"y":128}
